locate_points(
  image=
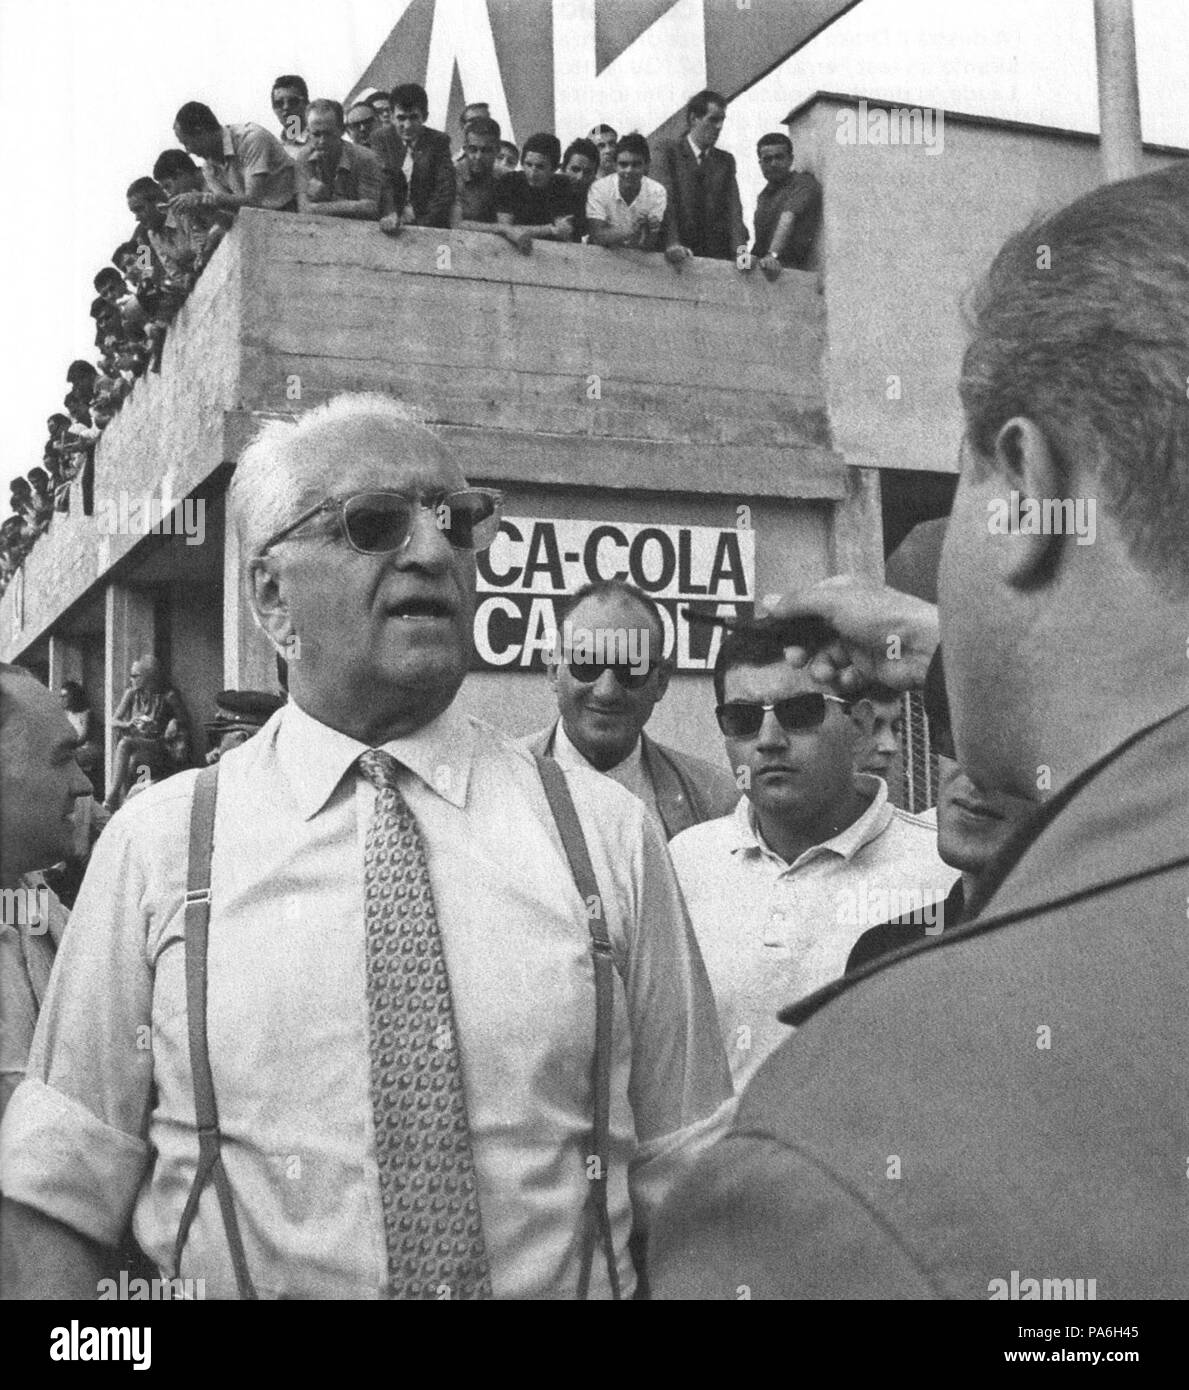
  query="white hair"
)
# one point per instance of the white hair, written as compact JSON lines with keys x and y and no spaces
{"x":271,"y":488}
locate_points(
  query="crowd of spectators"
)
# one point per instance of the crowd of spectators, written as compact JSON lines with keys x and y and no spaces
{"x":380,"y":161}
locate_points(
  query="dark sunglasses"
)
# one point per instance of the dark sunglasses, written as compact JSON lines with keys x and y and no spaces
{"x":629,"y":677}
{"x":377,"y":523}
{"x":744,"y":718}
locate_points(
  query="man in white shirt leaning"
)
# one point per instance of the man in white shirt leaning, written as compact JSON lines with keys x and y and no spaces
{"x":627,"y":208}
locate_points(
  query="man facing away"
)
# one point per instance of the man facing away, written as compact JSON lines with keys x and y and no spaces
{"x":782,"y":888}
{"x":400,"y":1009}
{"x":604,"y":701}
{"x":1006,"y":1101}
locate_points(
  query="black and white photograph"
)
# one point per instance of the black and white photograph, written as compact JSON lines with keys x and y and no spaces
{"x":594,"y":666}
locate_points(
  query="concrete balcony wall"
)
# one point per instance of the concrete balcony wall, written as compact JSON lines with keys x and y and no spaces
{"x":589,"y":384}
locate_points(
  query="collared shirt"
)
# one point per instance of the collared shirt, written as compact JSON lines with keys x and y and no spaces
{"x":800,"y":194}
{"x":771,"y":932}
{"x":630,"y":773}
{"x":178,"y":244}
{"x":605,"y":202}
{"x":249,"y":149}
{"x":699,"y":153}
{"x":104,"y":1125}
{"x":357,"y":174}
{"x":28,"y":938}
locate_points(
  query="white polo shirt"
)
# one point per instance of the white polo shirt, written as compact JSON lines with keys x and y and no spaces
{"x":772,"y":932}
{"x":605,"y":202}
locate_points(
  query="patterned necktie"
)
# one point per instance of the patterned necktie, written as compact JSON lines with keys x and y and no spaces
{"x":432,"y":1225}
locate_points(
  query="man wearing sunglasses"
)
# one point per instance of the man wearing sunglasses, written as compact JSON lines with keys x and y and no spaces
{"x":603,"y":705}
{"x":400,"y":1007}
{"x":782,"y":888}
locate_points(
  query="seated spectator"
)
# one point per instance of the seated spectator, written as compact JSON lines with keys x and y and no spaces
{"x":627,"y":208}
{"x":537,"y":201}
{"x":605,"y":138}
{"x":88,"y":752}
{"x":788,"y":209}
{"x":705,"y":216}
{"x":150,"y":720}
{"x":417,"y":162}
{"x":580,"y":163}
{"x":244,"y":166}
{"x":361,"y":123}
{"x":508,"y":159}
{"x":335,"y":178}
{"x":290,"y":104}
{"x":474,"y":200}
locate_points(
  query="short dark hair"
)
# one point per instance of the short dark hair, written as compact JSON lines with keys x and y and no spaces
{"x":482,"y":125}
{"x":508,"y":145}
{"x":291,"y":79}
{"x":411,"y":96}
{"x":82,"y":368}
{"x":131,"y":247}
{"x":463,"y":119}
{"x":171,"y":164}
{"x":775,"y":137}
{"x":144,"y":188}
{"x":194,"y":118}
{"x":109,"y":275}
{"x":1089,"y":340}
{"x":634,"y":143}
{"x":877,"y":692}
{"x":603,"y":129}
{"x":701,"y":102}
{"x":57,"y":418}
{"x":586,"y":148}
{"x":76,"y":696}
{"x":762,"y":643}
{"x":328,"y":104}
{"x":599,"y":588}
{"x":543,"y":143}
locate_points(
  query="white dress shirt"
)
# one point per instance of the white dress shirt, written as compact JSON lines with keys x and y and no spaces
{"x":103,"y":1126}
{"x":630,"y":774}
{"x":772,"y":932}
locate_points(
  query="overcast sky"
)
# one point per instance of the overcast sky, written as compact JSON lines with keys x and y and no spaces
{"x":89,"y":88}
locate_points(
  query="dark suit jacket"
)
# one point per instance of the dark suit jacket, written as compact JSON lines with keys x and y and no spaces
{"x":688,"y":791}
{"x":905,"y":931}
{"x":1024,"y":1074}
{"x":704,"y":211}
{"x":433,"y":182}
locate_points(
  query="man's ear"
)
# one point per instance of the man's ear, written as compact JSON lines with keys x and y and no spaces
{"x":1027,"y":467}
{"x":269,"y":607}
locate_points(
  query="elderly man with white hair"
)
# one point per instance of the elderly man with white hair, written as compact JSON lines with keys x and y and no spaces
{"x":400,"y":995}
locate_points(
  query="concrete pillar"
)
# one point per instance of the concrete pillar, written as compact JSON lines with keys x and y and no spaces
{"x":248,"y":659}
{"x":1118,"y":90}
{"x":130,"y":631}
{"x":856,"y":531}
{"x":65,"y":661}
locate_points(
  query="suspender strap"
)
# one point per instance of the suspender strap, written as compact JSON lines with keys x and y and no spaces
{"x":597,"y":1218}
{"x":206,"y":1114}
